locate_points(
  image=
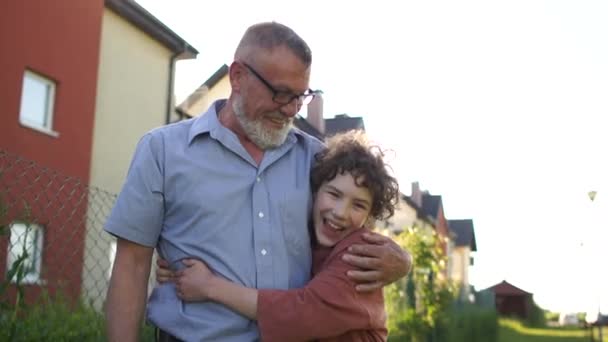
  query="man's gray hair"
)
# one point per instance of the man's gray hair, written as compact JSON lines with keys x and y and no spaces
{"x":269,"y":35}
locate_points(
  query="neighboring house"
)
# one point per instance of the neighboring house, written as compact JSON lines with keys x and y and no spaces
{"x":510,"y":300}
{"x":462,"y":259}
{"x":343,"y":123}
{"x":407,"y":215}
{"x":83,"y":81}
{"x":218,"y":87}
{"x":432,"y":208}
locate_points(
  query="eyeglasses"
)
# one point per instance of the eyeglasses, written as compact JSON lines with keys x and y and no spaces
{"x":284,"y":97}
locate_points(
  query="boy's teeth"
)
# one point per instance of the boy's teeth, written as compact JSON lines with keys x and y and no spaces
{"x":331,"y":224}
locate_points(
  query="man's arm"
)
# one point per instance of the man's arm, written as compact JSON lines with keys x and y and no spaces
{"x":128,"y":291}
{"x":379,"y":263}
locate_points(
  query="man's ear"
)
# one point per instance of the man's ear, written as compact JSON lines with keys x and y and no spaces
{"x":236,"y":73}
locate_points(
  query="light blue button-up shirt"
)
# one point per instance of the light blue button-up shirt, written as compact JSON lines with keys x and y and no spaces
{"x":193,"y":191}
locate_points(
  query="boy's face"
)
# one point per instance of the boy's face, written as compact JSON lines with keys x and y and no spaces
{"x":340,"y":207}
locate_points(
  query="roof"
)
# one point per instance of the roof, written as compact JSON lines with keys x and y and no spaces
{"x":419,"y":213}
{"x":430,"y":204}
{"x":202,"y":90}
{"x":216,"y":77}
{"x":305,"y":126}
{"x":506,"y":289}
{"x":465,"y":233}
{"x":145,"y":21}
{"x":342,"y":123}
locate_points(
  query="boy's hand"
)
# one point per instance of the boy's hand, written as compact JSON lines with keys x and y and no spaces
{"x":194,"y":282}
{"x":163,"y":272}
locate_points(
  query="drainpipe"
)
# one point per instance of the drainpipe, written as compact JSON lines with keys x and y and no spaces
{"x":170,"y":87}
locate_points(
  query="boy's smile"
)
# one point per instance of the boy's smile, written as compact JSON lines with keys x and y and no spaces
{"x":340,"y":207}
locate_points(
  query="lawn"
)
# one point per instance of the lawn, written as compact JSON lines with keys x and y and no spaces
{"x":514,"y":331}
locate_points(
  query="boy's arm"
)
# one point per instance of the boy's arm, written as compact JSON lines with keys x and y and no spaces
{"x":328,"y":306}
{"x":197,"y":283}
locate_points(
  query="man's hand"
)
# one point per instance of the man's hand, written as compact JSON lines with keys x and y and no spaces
{"x":378,"y":263}
{"x":163,"y":272}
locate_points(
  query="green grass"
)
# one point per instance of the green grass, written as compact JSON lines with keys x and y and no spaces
{"x":513,"y":331}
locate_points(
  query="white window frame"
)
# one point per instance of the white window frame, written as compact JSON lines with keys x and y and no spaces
{"x":20,"y":231}
{"x":49,"y":106}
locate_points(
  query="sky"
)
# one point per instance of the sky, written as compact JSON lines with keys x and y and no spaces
{"x":499,"y":107}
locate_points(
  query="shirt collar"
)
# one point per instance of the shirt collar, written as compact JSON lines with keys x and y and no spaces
{"x":207,"y":122}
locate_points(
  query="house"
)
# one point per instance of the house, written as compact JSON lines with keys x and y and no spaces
{"x":432,"y":208}
{"x":407,"y":214}
{"x":217,"y":86}
{"x":510,"y":300}
{"x":342,"y":123}
{"x":461,"y":257}
{"x":83,"y":81}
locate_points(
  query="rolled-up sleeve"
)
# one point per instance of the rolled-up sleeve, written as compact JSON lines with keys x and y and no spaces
{"x":328,"y":306}
{"x":139,"y":210}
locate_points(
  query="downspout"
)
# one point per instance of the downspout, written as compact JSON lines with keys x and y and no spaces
{"x":170,"y":87}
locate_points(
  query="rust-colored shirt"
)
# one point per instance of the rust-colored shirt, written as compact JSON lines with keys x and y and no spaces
{"x":328,"y":308}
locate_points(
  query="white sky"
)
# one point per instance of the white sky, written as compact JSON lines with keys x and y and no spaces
{"x":496,"y":106}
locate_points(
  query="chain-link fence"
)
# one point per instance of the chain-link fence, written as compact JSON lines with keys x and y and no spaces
{"x":52,"y":243}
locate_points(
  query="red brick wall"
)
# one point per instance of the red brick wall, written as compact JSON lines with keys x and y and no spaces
{"x":60,"y":40}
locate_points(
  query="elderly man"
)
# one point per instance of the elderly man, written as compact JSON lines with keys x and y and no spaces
{"x":230,"y":187}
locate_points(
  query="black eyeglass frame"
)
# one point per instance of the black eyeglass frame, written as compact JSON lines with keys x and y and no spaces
{"x":284,"y":97}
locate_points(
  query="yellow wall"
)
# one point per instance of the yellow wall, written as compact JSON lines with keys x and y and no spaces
{"x":132,"y":89}
{"x":405,"y":216}
{"x":220,"y":90}
{"x":460,"y":267}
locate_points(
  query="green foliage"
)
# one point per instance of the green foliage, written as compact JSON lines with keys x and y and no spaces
{"x":469,"y":323}
{"x":551,"y":316}
{"x":418,"y":303}
{"x":536,"y":317}
{"x":54,"y":319}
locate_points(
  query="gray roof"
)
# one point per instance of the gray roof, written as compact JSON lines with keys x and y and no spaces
{"x":431,"y":204}
{"x":342,"y":123}
{"x":305,"y":126}
{"x":465,"y":233}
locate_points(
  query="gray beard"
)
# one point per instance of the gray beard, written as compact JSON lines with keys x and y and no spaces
{"x":261,"y":136}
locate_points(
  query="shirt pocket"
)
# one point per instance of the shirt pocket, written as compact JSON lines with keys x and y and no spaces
{"x":295,"y":209}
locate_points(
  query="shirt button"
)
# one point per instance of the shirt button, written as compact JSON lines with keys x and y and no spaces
{"x":261,"y":214}
{"x":263,"y":252}
{"x":258,"y":179}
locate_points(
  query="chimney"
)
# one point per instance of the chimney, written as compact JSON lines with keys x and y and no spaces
{"x":314,"y":114}
{"x":416,"y":194}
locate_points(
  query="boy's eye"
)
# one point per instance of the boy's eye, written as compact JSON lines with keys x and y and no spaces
{"x":361,"y":206}
{"x":333,"y":193}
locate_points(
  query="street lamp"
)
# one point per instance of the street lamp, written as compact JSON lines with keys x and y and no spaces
{"x":599,"y":320}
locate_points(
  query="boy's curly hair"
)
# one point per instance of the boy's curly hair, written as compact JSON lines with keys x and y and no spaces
{"x":351,"y":152}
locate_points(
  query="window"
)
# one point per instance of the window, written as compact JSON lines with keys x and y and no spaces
{"x":37,"y":101}
{"x":26,"y":237}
